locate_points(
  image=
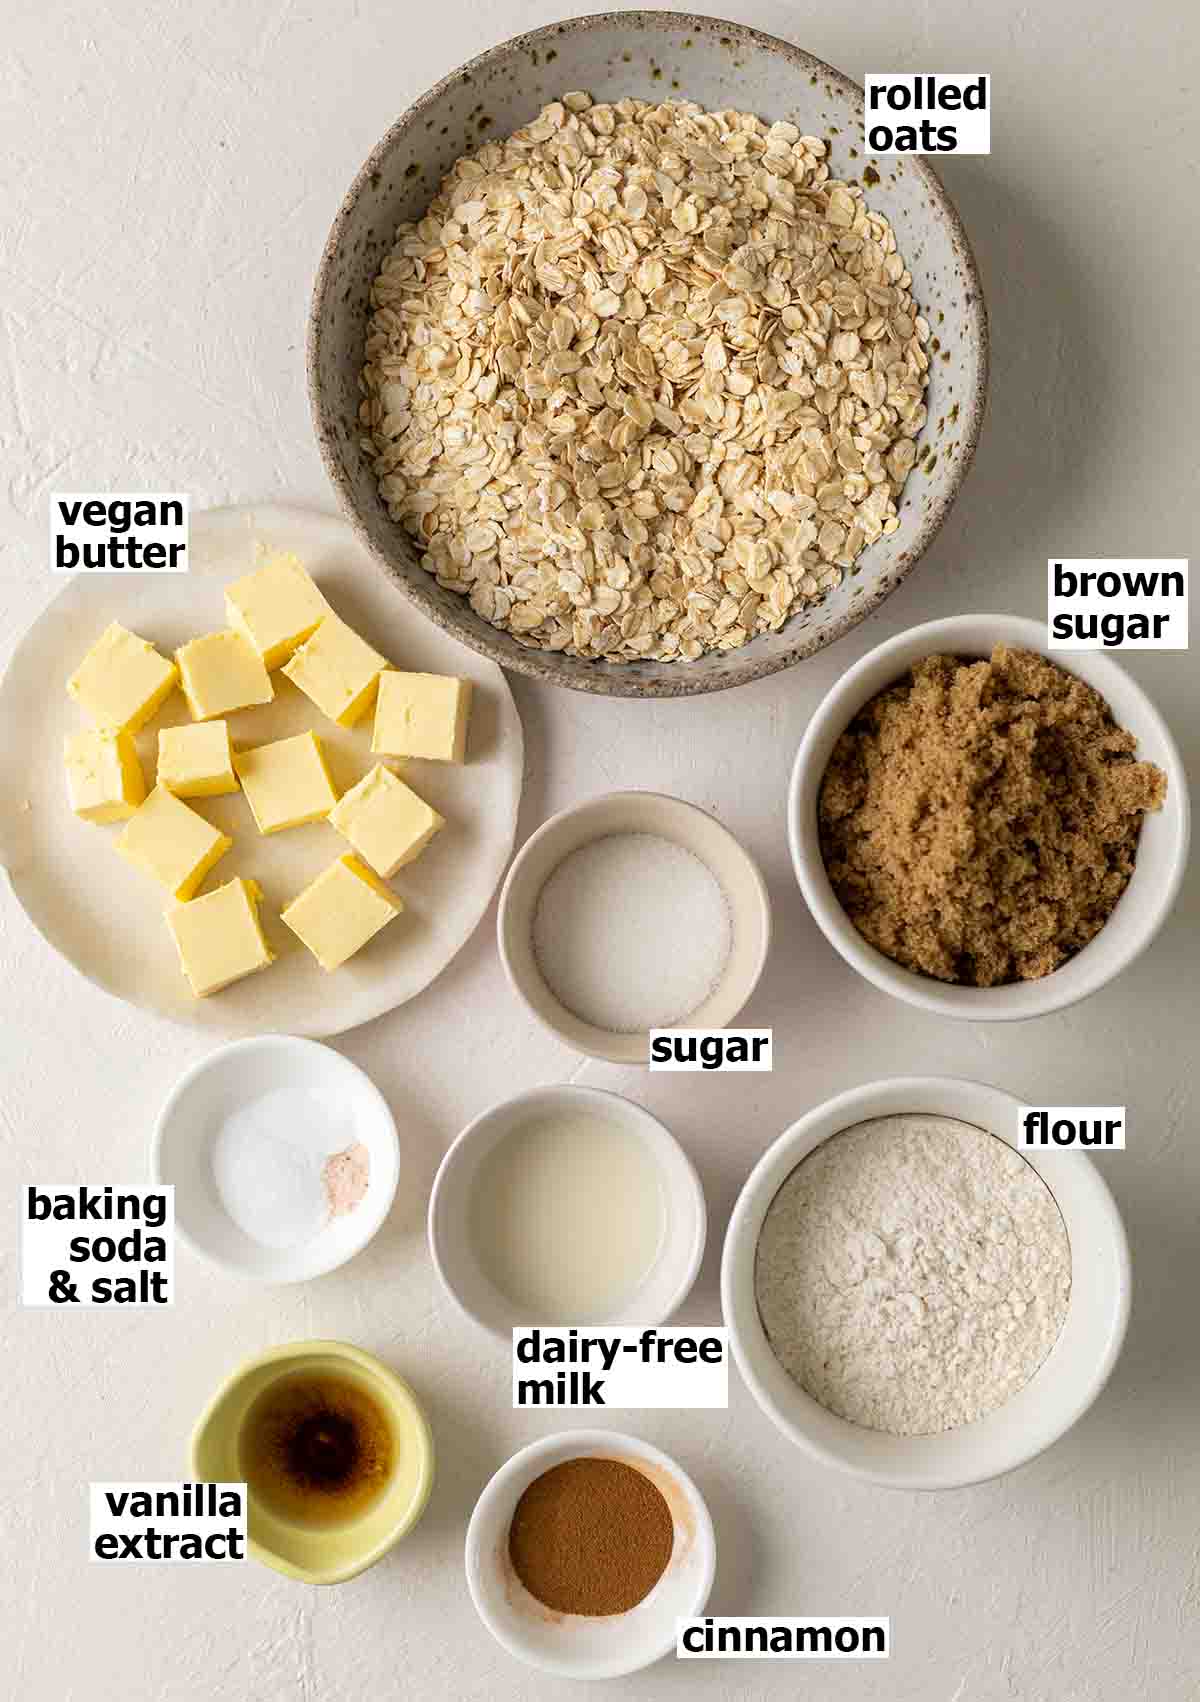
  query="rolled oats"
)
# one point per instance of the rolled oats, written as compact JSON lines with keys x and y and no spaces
{"x":644,"y":380}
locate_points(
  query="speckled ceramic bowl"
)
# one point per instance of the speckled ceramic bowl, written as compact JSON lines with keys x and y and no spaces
{"x":650,"y":55}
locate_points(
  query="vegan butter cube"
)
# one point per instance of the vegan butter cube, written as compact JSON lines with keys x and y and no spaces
{"x":219,"y":937}
{"x":286,"y":783}
{"x":338,"y":670}
{"x":104,"y":776}
{"x":169,"y":841}
{"x":422,"y":715}
{"x":222,"y":672}
{"x":385,"y":821}
{"x":276,"y":608}
{"x":196,"y":761}
{"x":340,"y":911}
{"x":122,"y":680}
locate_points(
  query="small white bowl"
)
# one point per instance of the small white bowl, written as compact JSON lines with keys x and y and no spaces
{"x":1059,"y":1392}
{"x":669,"y":1280}
{"x":578,"y":1645}
{"x":633,"y":812}
{"x":230,"y":1078}
{"x":1162,"y":846}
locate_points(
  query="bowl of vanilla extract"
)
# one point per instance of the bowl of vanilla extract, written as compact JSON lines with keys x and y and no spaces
{"x":335,"y":1452}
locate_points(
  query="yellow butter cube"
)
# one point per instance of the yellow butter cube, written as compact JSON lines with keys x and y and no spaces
{"x":222,"y":672}
{"x":422,"y":715}
{"x":276,"y":608}
{"x":338,"y":670}
{"x":122,"y":681}
{"x":340,"y":911}
{"x":196,"y":761}
{"x":169,"y":841}
{"x":385,"y":820}
{"x":219,"y":937}
{"x":104,"y":776}
{"x":286,"y":783}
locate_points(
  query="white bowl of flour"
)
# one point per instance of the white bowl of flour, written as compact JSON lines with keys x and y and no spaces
{"x":914,"y":1301}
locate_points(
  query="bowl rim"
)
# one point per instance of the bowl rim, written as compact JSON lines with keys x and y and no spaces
{"x":604,"y":680}
{"x":861,"y":1104}
{"x":399,"y":1387}
{"x":386,"y":1192}
{"x":1073,"y":980}
{"x":604,"y":1097}
{"x":626,"y":1049}
{"x":524,"y":1464}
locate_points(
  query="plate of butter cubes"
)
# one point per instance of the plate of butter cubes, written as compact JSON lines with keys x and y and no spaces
{"x":263,"y":796}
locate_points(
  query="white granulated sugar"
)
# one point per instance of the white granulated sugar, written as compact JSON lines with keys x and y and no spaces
{"x":912,"y":1274}
{"x":632,"y":932}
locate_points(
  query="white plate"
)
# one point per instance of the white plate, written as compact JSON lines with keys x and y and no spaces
{"x":106,"y":917}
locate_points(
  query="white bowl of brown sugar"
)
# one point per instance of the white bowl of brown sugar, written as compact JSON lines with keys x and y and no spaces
{"x":984,"y":828}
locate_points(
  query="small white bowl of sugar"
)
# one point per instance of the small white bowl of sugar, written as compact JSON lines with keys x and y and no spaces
{"x":283,"y":1154}
{"x":631,"y":912}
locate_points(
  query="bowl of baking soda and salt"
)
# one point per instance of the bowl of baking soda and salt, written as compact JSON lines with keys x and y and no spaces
{"x":915,"y":1298}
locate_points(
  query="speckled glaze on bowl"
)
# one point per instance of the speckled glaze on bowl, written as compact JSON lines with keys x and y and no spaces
{"x":651,"y":56}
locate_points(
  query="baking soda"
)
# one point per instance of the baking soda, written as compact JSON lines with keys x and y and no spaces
{"x":632,"y":932}
{"x":274,"y":1170}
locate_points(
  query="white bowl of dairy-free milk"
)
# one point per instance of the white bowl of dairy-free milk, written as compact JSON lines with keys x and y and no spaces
{"x":563,"y":1206}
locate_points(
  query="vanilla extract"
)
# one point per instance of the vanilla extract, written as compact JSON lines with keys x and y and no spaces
{"x":316,"y":1449}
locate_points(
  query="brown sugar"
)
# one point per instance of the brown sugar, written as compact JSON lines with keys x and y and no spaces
{"x":591,"y":1536}
{"x":979,"y":820}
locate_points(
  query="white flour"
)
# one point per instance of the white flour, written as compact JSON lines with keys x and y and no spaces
{"x":912,"y":1274}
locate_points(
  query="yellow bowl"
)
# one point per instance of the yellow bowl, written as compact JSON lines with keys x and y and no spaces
{"x":332,"y":1553}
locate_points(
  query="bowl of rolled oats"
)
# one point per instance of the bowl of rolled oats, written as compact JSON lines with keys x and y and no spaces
{"x":632,"y":369}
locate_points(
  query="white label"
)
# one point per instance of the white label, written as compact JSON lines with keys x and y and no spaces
{"x":1117,"y":605}
{"x":107,"y":1246}
{"x":783,"y":1639}
{"x":1059,"y":1128}
{"x":928,"y":112}
{"x":620,"y":1368}
{"x":167,"y":1523}
{"x":710,"y":1049}
{"x":119,"y":532}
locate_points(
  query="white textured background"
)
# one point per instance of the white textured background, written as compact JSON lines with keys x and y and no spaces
{"x":170,"y":172}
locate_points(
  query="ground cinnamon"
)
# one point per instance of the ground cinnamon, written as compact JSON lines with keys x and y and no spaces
{"x":591,"y":1536}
